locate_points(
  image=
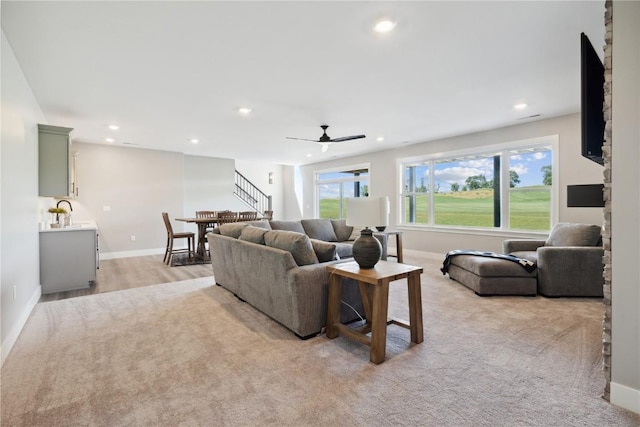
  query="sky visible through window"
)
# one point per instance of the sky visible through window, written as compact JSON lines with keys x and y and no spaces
{"x":528,"y":166}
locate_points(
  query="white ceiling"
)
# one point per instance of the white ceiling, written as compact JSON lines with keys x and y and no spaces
{"x":166,"y":72}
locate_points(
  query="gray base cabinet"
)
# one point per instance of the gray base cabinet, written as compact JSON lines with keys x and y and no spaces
{"x":68,"y":260}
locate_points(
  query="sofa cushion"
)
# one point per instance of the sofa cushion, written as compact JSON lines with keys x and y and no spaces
{"x":259,"y":223}
{"x":233,"y":229}
{"x":253,"y":234}
{"x":320,"y":229}
{"x":342,"y":230}
{"x":528,"y":255}
{"x":325,"y":251}
{"x":287,"y":225}
{"x":344,"y":249}
{"x":567,"y":234}
{"x":298,"y":244}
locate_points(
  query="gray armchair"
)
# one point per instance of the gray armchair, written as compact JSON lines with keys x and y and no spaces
{"x":569,"y":262}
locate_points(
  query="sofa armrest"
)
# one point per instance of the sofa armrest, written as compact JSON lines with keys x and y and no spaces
{"x":570,"y":270}
{"x":309,"y":288}
{"x":518,"y":245}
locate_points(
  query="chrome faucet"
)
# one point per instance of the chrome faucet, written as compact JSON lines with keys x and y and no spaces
{"x":68,"y":218}
{"x":65,"y":200}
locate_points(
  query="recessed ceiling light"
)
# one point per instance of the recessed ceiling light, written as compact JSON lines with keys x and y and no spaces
{"x":114,"y":127}
{"x":109,"y":139}
{"x":194,"y":140}
{"x":308,"y":154}
{"x":244,"y":110}
{"x":520,"y":106}
{"x":384,"y":26}
{"x":380,"y":138}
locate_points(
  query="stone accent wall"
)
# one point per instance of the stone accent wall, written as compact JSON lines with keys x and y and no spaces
{"x":606,"y":235}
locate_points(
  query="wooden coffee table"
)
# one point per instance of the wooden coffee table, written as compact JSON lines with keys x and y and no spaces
{"x":374,"y":289}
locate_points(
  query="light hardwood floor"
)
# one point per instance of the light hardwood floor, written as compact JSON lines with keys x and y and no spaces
{"x":126,"y":273}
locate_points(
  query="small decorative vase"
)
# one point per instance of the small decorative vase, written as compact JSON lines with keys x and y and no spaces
{"x":55,"y":221}
{"x":381,"y":228}
{"x":367,"y":249}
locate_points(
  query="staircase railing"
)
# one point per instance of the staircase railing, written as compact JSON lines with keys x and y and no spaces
{"x":251,"y":195}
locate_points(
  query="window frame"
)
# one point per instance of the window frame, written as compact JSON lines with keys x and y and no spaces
{"x":502,"y":148}
{"x":339,"y":169}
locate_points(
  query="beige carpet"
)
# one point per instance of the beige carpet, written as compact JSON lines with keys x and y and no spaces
{"x":190,"y":353}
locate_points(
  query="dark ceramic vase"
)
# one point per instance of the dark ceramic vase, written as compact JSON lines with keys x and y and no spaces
{"x":367,"y":249}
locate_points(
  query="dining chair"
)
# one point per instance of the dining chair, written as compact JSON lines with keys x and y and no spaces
{"x":267,"y":215}
{"x":208,"y":214}
{"x":247,"y":216}
{"x":225,"y":217}
{"x":207,"y":227}
{"x":171,"y":237}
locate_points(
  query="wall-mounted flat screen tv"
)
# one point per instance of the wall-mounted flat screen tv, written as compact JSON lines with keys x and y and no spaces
{"x":592,"y":100}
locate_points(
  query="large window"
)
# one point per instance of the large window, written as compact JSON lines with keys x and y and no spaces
{"x":507,"y":187}
{"x":333,"y":187}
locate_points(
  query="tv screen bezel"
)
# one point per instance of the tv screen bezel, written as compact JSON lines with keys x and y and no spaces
{"x":592,"y":101}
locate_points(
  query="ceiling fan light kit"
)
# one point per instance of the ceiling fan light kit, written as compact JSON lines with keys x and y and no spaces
{"x":325,"y":140}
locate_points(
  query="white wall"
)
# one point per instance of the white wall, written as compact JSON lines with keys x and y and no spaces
{"x":292,"y":180}
{"x":208,"y":185}
{"x":19,"y":257}
{"x":625,"y":209}
{"x":384,"y":180}
{"x":138,"y":185}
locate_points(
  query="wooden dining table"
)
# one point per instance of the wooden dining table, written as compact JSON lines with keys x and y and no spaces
{"x":202,"y":224}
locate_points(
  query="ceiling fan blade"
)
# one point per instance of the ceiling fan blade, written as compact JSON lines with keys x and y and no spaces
{"x":348,"y":138}
{"x":302,"y":139}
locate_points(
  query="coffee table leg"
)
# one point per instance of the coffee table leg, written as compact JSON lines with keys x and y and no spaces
{"x":333,"y":305}
{"x":415,"y":308}
{"x":379,"y":321}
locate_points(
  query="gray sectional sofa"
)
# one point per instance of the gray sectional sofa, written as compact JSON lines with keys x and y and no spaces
{"x":280,"y":269}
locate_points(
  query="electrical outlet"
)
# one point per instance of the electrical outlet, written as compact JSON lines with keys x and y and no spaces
{"x":15,"y":292}
{"x":106,"y":208}
{"x":133,"y":238}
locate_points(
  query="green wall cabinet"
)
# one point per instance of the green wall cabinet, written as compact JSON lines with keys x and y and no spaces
{"x":54,"y":162}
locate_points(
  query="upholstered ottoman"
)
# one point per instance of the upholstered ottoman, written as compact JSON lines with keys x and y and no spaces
{"x":492,"y":276}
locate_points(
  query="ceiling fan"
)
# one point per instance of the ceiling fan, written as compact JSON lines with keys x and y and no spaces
{"x":325,"y":140}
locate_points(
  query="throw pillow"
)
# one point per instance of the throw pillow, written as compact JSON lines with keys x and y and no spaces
{"x":232,"y":229}
{"x":355,"y":233}
{"x":567,"y":234}
{"x":343,"y":231}
{"x":287,"y":225}
{"x":297,"y":243}
{"x":320,"y":229}
{"x":253,"y":234}
{"x":325,"y":251}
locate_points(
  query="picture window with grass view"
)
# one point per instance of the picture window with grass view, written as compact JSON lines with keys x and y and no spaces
{"x":335,"y":186}
{"x":509,"y":186}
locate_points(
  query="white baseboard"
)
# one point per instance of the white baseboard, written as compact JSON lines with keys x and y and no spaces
{"x":625,"y":397}
{"x":11,"y":339}
{"x":130,"y":254}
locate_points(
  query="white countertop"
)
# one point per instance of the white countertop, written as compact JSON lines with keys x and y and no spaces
{"x":82,"y":225}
